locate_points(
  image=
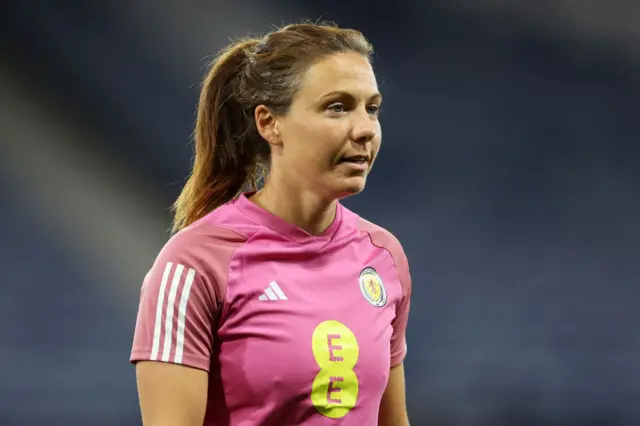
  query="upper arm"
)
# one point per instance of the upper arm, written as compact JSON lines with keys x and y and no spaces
{"x":171,"y":394}
{"x":176,"y":311}
{"x":393,"y":408}
{"x":399,"y":323}
{"x":173,"y":337}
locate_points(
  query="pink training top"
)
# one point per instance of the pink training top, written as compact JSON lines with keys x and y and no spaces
{"x":293,"y":329}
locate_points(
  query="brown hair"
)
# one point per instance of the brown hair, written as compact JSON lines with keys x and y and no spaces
{"x":229,"y":152}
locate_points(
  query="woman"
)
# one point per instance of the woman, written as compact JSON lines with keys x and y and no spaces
{"x":278,"y":306}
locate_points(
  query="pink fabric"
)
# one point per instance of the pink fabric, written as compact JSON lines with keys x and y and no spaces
{"x":293,"y":329}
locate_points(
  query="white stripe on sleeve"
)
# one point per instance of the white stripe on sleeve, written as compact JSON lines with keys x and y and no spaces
{"x":168,"y":320}
{"x":157,"y":329}
{"x":182,"y":315}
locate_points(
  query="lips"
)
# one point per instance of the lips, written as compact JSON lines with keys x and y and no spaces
{"x":358,"y":159}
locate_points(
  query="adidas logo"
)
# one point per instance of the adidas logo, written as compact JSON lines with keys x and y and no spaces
{"x":273,"y":292}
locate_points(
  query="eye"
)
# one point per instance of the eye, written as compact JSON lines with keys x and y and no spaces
{"x":337,"y":107}
{"x":373,"y":109}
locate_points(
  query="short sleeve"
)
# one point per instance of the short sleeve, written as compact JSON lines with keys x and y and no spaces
{"x":177,"y":308}
{"x":399,"y":324}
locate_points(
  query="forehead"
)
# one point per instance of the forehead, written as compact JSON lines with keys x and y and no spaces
{"x":348,"y":72}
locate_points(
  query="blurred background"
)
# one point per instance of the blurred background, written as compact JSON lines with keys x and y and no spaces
{"x":510,"y":170}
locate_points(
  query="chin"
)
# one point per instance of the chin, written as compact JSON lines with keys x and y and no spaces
{"x":350,"y":186}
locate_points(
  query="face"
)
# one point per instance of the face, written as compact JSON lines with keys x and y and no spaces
{"x":331,"y":135}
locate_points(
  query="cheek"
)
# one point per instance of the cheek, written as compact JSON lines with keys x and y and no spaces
{"x":318,"y":143}
{"x":375,"y":146}
{"x":303,"y":150}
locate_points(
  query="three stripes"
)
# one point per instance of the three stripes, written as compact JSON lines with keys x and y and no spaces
{"x":169,"y":313}
{"x":273,"y":292}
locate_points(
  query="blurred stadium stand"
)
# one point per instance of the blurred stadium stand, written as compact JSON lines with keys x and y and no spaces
{"x":510,"y":171}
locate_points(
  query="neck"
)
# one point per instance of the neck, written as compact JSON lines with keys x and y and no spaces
{"x":304,"y":209}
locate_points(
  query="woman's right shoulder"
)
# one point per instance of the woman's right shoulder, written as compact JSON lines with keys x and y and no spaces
{"x":205,"y":233}
{"x":201,"y":245}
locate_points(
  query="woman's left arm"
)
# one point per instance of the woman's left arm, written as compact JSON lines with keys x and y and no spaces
{"x":393,"y":408}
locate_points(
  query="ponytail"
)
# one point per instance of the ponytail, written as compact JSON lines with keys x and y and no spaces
{"x":227,"y":147}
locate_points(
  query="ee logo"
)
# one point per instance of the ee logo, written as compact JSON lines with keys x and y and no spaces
{"x":335,"y":388}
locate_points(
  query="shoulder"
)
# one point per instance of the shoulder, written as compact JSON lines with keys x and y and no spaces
{"x":203,"y":236}
{"x":385,"y":240}
{"x":204,"y":246}
{"x":379,"y":236}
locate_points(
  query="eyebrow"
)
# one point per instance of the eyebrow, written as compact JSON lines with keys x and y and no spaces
{"x":347,"y":94}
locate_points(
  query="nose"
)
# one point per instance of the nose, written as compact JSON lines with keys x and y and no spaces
{"x":364,"y":128}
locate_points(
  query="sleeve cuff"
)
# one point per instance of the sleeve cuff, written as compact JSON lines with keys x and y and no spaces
{"x":193,"y":361}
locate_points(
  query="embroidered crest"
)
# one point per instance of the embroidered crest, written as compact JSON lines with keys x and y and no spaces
{"x":372,"y":287}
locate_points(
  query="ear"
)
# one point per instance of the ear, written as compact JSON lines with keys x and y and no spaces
{"x":267,"y":125}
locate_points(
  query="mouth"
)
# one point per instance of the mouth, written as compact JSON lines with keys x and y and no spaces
{"x":359,"y":163}
{"x":355,"y":159}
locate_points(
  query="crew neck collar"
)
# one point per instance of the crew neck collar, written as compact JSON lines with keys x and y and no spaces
{"x":282,"y":227}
